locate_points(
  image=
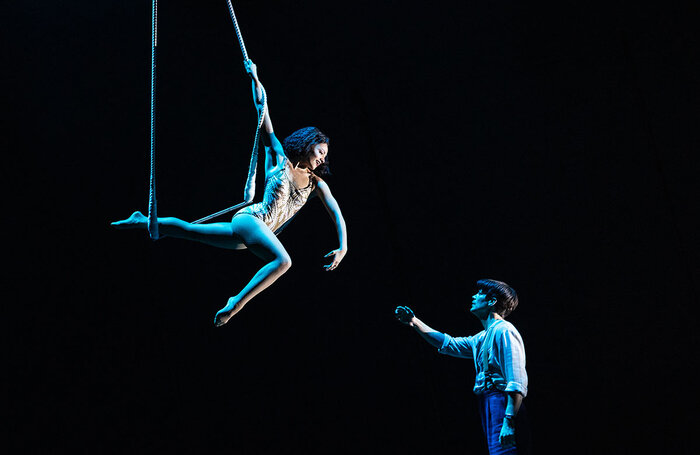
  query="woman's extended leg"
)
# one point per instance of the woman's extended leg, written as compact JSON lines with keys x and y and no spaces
{"x":214,"y":234}
{"x":263,"y":243}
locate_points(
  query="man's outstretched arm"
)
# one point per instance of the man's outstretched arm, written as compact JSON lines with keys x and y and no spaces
{"x":405,"y":315}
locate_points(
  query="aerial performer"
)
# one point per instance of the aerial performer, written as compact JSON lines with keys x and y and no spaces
{"x":293,"y":173}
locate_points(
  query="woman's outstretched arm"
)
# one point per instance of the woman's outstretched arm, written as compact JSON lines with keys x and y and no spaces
{"x":324,"y":193}
{"x":274,"y":153}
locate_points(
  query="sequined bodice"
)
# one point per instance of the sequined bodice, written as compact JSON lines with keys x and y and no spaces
{"x":282,"y":200}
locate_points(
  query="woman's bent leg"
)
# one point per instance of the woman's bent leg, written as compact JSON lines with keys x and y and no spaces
{"x":244,"y":230}
{"x":263,"y":243}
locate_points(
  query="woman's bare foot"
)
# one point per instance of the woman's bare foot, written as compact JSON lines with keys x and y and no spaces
{"x":226,"y":313}
{"x":135,"y":221}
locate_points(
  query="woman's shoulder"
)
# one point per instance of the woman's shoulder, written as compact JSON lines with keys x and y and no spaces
{"x":316,"y":180}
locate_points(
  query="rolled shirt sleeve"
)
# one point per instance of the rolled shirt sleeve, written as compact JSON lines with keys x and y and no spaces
{"x":458,"y":346}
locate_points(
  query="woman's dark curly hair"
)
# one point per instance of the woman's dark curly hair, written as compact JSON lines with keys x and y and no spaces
{"x":506,"y":298}
{"x":300,"y":144}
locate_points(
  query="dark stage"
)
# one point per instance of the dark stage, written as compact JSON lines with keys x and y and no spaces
{"x":550,"y":145}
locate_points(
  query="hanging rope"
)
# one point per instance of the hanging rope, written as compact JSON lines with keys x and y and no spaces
{"x":249,"y":190}
{"x":238,"y":30}
{"x":152,"y":212}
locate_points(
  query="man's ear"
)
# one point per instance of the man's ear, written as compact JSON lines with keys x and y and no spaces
{"x":493,"y":301}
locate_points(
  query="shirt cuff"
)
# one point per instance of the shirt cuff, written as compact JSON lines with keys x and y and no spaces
{"x":513,"y":386}
{"x":445,"y":341}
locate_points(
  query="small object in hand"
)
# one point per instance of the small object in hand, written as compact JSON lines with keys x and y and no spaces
{"x":404,"y":314}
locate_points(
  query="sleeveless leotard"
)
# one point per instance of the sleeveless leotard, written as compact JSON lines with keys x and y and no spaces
{"x":282,"y":200}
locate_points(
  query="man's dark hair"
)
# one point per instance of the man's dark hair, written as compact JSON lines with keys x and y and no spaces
{"x":506,"y":298}
{"x":300,"y":144}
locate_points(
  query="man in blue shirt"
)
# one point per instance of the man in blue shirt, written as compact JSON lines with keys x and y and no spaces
{"x":499,"y":358}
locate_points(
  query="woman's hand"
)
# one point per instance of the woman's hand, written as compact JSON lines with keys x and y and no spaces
{"x":251,"y":68}
{"x":338,"y":256}
{"x":258,"y":90}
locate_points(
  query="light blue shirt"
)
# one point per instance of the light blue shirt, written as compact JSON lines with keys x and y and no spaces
{"x":500,"y":348}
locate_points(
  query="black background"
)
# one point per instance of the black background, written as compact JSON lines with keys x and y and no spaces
{"x":548,"y":144}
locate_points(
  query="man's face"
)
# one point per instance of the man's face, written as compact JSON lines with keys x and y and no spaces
{"x":481,"y":305}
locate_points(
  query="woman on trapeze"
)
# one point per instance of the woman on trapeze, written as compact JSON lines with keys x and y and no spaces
{"x":292,"y":174}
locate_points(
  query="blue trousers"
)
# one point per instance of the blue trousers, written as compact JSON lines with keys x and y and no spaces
{"x":492,"y":407}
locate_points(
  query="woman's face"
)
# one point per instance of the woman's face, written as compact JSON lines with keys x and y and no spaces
{"x":317,"y":156}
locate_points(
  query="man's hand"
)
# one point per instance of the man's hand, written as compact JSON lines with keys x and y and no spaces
{"x":507,"y":436}
{"x":404,"y":314}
